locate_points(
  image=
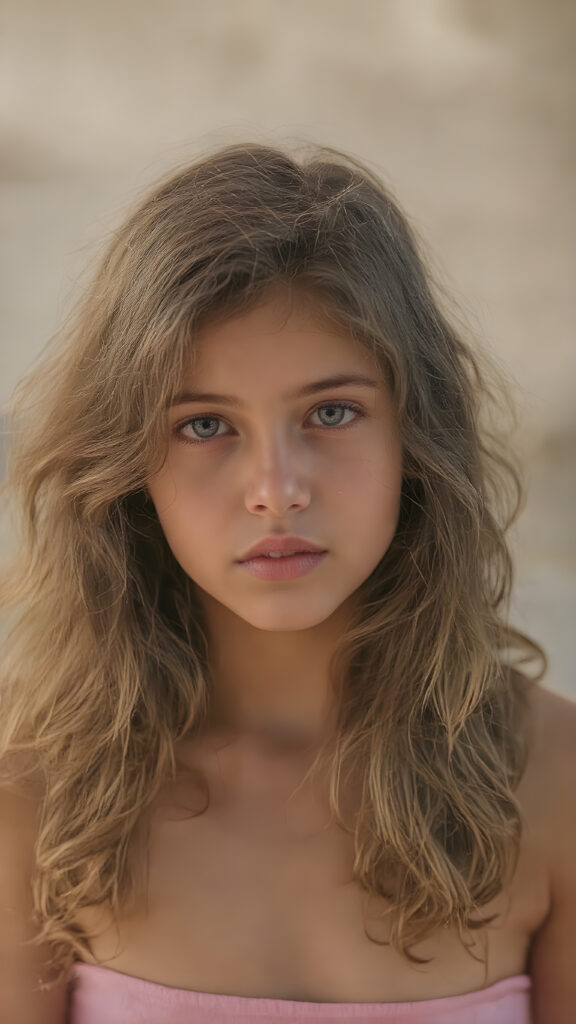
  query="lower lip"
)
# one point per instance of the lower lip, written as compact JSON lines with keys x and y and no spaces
{"x":288,"y":568}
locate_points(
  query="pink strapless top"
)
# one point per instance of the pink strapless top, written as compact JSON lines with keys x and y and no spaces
{"x":99,"y":995}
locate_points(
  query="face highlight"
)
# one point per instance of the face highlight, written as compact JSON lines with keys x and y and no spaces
{"x":324,"y":465}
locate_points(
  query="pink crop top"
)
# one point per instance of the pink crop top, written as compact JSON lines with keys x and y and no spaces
{"x":99,"y":995}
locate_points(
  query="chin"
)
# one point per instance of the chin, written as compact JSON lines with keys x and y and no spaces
{"x":288,"y":620}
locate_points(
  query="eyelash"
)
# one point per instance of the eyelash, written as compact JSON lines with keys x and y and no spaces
{"x":210,"y":416}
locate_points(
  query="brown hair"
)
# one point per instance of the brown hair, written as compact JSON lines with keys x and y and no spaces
{"x":106,"y":667}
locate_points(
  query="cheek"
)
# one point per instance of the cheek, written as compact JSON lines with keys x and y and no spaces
{"x":373,"y":484}
{"x":182,"y":516}
{"x":194,"y":512}
{"x":187,"y":537}
{"x":373,"y":498}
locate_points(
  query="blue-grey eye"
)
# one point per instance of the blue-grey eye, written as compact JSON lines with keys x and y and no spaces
{"x":331,"y":409}
{"x":203,"y":420}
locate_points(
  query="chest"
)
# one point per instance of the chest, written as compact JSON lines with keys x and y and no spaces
{"x":256,"y":897}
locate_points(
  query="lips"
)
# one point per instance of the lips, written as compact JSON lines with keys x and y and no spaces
{"x":280,"y":545}
{"x":290,"y":567}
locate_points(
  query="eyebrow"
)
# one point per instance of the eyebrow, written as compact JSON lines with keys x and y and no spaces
{"x":338,"y":380}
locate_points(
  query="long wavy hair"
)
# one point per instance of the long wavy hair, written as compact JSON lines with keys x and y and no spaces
{"x":106,"y":663}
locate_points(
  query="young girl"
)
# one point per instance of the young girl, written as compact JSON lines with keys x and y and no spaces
{"x":270,"y":750}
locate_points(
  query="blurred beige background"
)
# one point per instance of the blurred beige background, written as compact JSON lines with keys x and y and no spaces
{"x":464,"y":106}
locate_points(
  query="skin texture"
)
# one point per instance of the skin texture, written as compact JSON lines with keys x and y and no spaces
{"x":278,"y":466}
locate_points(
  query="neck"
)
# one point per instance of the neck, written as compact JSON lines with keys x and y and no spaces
{"x":270,"y":689}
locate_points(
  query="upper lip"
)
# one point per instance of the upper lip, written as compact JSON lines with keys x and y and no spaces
{"x":281,"y":544}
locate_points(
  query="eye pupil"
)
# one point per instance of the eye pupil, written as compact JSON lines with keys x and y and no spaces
{"x":332,"y":411}
{"x":204,"y":422}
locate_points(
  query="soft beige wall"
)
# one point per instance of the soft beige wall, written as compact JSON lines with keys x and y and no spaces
{"x":464,"y":106}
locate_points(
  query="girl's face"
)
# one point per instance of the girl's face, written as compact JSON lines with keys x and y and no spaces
{"x":262,"y":459}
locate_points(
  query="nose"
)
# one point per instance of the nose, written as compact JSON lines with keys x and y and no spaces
{"x":277,"y":480}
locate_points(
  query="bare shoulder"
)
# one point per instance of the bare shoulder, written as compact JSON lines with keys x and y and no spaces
{"x":550,"y":771}
{"x":22,"y":966}
{"x":547,"y":791}
{"x":551,"y":710}
{"x":548,"y":795}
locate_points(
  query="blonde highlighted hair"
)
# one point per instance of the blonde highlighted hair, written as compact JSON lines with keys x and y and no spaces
{"x":106,"y":663}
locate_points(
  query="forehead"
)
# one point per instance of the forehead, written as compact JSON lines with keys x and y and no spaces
{"x":284,"y":334}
